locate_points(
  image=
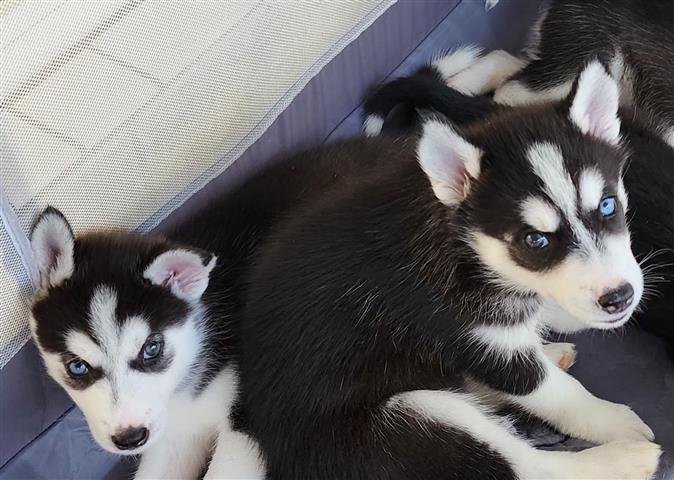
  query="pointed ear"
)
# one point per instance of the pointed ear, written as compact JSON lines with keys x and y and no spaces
{"x":595,"y":103}
{"x":184,"y":272}
{"x":53,"y":245}
{"x":450,"y":161}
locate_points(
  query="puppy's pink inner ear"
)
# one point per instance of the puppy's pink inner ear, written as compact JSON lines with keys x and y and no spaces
{"x":182,"y":271}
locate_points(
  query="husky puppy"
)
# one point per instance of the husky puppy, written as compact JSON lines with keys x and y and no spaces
{"x":368,"y":306}
{"x":142,"y":330}
{"x":133,"y":329}
{"x":649,"y":178}
{"x":633,"y":38}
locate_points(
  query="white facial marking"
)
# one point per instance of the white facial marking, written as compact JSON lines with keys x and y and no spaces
{"x":539,"y":214}
{"x":81,"y":345}
{"x":575,"y":283}
{"x":622,"y":194}
{"x":591,"y":189}
{"x":133,"y":336}
{"x":102,"y":317}
{"x":547,"y":163}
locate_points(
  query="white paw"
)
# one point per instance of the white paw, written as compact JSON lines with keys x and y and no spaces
{"x":561,"y":354}
{"x":487,"y":74}
{"x":617,"y":460}
{"x":457,"y":61}
{"x":608,"y":422}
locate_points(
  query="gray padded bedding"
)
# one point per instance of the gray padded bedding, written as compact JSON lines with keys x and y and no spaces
{"x":43,"y":436}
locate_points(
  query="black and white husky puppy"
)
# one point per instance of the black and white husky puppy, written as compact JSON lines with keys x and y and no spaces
{"x":649,"y":180}
{"x":142,"y":330}
{"x":368,"y":306}
{"x":135,"y":329}
{"x":634,"y":38}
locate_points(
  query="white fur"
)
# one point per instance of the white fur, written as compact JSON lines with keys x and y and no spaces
{"x":82,"y":345}
{"x":556,"y":318}
{"x":564,"y":403}
{"x":594,"y":108}
{"x":449,"y":161}
{"x":547,"y":163}
{"x":486,"y":74}
{"x":561,"y":354}
{"x":591,"y":186}
{"x":668,"y":136}
{"x":373,"y":125}
{"x":182,"y":271}
{"x":622,"y":194}
{"x":636,"y":460}
{"x":577,"y":282}
{"x":515,"y":93}
{"x":194,"y":427}
{"x":456,"y":61}
{"x":236,"y":456}
{"x":53,"y":247}
{"x":539,"y":214}
{"x":505,"y":341}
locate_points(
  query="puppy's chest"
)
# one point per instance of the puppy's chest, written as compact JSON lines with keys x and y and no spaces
{"x":210,"y":408}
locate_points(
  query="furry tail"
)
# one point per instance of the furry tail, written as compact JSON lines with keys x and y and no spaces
{"x":426,"y":90}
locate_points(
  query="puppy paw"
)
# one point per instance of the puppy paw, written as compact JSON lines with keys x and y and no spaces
{"x":617,"y":460}
{"x":561,"y":354}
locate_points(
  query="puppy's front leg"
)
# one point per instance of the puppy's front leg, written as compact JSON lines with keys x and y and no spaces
{"x":512,"y":360}
{"x":563,"y":402}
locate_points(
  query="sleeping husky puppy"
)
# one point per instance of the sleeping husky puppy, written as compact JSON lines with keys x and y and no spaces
{"x":649,"y":179}
{"x":142,"y":330}
{"x":367,"y":307}
{"x":634,"y":38}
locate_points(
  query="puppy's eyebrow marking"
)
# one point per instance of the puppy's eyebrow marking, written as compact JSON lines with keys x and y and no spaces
{"x":547,"y":163}
{"x":81,"y":345}
{"x":540,"y":214}
{"x":591,"y":189}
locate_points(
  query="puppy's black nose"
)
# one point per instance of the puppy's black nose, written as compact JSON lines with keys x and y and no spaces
{"x":616,"y":301}
{"x":130,"y":438}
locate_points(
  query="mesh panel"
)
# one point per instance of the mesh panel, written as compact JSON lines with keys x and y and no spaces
{"x":117,"y":111}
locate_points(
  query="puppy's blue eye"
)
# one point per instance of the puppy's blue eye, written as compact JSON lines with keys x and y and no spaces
{"x":77,"y":368}
{"x":536,"y":240}
{"x":607,"y":206}
{"x":151,"y":350}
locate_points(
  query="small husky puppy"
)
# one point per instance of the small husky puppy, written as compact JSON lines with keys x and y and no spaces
{"x":142,"y":330}
{"x":649,"y":179}
{"x":135,"y":329}
{"x":633,"y":38}
{"x":368,"y":306}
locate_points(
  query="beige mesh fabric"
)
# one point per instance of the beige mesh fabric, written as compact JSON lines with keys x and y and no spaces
{"x":116,"y":111}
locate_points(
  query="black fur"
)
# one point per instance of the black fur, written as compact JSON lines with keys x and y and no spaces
{"x":422,"y":91}
{"x":372,"y":290}
{"x":230,"y":228}
{"x":575,"y":31}
{"x":649,"y":180}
